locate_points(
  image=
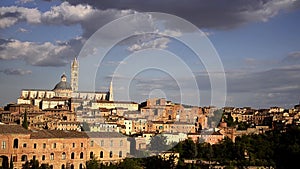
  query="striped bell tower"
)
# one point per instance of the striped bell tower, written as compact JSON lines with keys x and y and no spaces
{"x":74,"y":74}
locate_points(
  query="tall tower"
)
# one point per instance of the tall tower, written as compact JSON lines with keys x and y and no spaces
{"x":111,"y":94}
{"x":74,"y":75}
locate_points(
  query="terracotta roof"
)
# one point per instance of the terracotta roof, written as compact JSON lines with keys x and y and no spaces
{"x":105,"y":135}
{"x":44,"y":134}
{"x":13,"y":129}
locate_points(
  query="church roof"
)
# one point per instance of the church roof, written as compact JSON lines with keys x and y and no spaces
{"x":62,"y":86}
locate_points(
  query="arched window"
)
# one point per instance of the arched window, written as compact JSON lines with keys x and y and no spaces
{"x":120,"y":153}
{"x":51,"y":166}
{"x":80,"y":166}
{"x":81,"y":155}
{"x":63,"y":156}
{"x":52,"y":156}
{"x":91,"y":154}
{"x":101,"y":154}
{"x":72,"y":166}
{"x":110,"y":154}
{"x":16,"y":143}
{"x":63,"y":166}
{"x":72,"y":155}
{"x":24,"y":158}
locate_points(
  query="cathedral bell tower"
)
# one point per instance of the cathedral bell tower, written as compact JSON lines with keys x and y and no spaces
{"x":74,"y":75}
{"x":111,"y":94}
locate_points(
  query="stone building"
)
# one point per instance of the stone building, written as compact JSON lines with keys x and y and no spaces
{"x":60,"y":149}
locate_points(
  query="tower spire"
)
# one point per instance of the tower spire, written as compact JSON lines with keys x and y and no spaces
{"x":111,"y":94}
{"x":74,"y":74}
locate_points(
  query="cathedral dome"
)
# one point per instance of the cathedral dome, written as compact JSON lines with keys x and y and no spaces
{"x":63,"y":84}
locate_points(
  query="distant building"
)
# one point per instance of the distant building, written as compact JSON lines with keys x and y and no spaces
{"x":60,"y":149}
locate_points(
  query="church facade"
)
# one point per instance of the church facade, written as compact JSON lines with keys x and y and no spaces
{"x":66,"y":94}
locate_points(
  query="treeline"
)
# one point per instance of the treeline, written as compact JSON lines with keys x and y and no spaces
{"x":275,"y":149}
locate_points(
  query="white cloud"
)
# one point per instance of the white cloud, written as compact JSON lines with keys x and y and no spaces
{"x":157,"y":40}
{"x":13,"y":14}
{"x":68,"y":14}
{"x":266,"y":10}
{"x":39,"y":54}
{"x":157,"y":43}
{"x":23,"y":30}
{"x":23,"y":1}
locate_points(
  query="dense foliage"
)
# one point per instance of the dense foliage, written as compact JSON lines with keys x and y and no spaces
{"x":275,"y":149}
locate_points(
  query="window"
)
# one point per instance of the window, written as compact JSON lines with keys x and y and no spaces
{"x":51,"y":156}
{"x":34,"y":145}
{"x":3,"y":145}
{"x":72,"y":155}
{"x":92,"y":143}
{"x":91,"y":154}
{"x":121,"y":142}
{"x":72,"y":166}
{"x":81,"y":155}
{"x":44,"y":145}
{"x":81,"y":144}
{"x":15,"y":159}
{"x":111,"y":143}
{"x":63,"y":156}
{"x":102,"y":143}
{"x":101,"y":154}
{"x":34,"y":157}
{"x":80,"y":166}
{"x":73,"y":145}
{"x":16,"y":143}
{"x":24,"y":158}
{"x":24,"y":145}
{"x":63,"y":166}
{"x":43,"y":157}
{"x":120,"y":153}
{"x":110,"y":154}
{"x":51,"y":166}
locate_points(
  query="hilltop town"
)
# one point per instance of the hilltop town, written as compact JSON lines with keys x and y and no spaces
{"x":64,"y":127}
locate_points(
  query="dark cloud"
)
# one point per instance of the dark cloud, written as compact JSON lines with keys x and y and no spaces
{"x":204,"y":13}
{"x":12,"y":71}
{"x":273,"y":87}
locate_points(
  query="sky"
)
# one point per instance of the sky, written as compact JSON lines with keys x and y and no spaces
{"x":201,"y":52}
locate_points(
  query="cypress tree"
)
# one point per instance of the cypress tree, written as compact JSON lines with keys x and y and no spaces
{"x":25,"y":122}
{"x":11,"y":164}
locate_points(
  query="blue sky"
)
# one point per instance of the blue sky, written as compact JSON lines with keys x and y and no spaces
{"x":256,"y":40}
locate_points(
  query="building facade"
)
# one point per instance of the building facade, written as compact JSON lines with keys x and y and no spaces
{"x":60,"y":149}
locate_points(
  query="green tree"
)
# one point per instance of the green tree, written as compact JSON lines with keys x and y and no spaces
{"x":92,"y":164}
{"x":189,"y":149}
{"x":34,"y":164}
{"x":85,"y":126}
{"x":11,"y":164}
{"x":25,"y":122}
{"x":159,"y":143}
{"x":130,"y":163}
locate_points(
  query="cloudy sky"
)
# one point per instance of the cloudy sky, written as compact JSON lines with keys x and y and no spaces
{"x":257,"y":42}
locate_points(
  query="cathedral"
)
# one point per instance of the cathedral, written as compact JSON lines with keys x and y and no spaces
{"x":63,"y":92}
